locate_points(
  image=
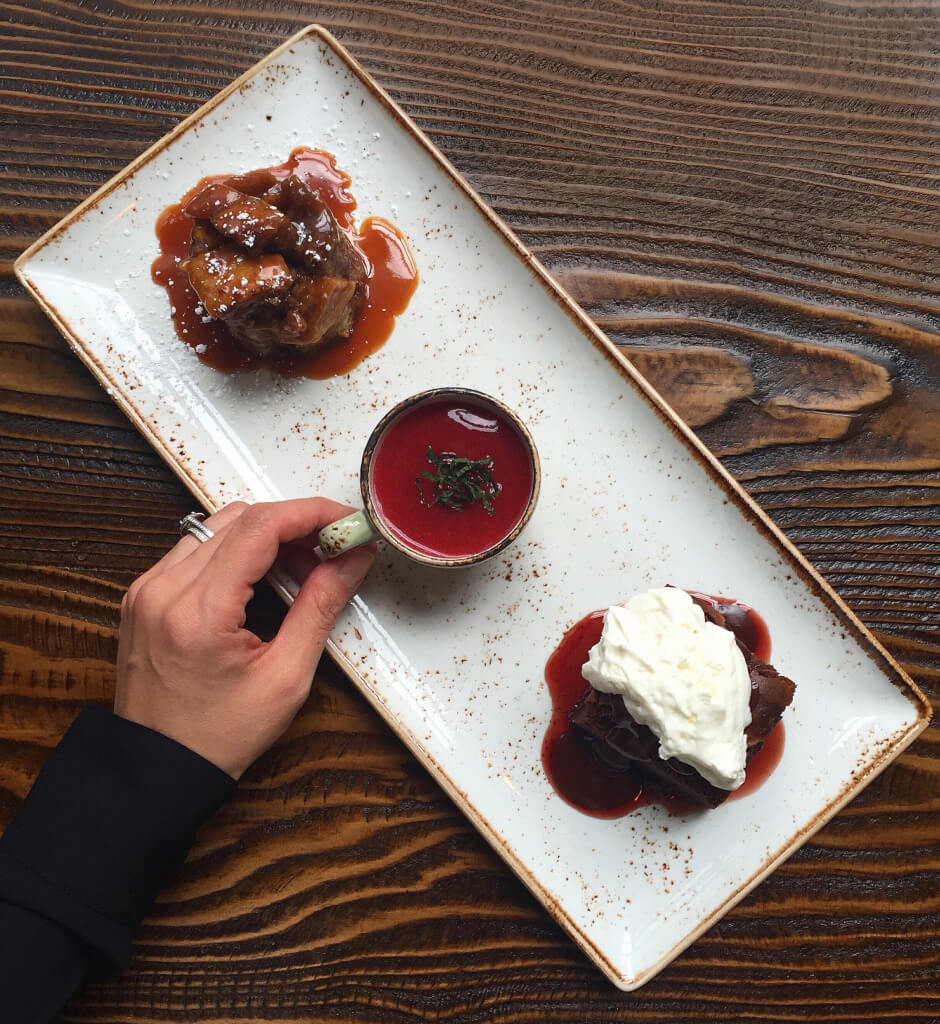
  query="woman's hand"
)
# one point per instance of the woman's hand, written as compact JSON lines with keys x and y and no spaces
{"x":186,"y":665}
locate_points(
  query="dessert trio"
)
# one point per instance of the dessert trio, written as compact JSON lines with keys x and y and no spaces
{"x":669,"y":698}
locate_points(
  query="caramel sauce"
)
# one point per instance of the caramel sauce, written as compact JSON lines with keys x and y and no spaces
{"x":391,"y":278}
{"x":598,"y":790}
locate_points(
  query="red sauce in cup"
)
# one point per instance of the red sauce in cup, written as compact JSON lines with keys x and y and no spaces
{"x":391,"y":278}
{"x":470,"y":430}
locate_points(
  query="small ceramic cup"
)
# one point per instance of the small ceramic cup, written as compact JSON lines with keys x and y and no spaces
{"x":368,"y":525}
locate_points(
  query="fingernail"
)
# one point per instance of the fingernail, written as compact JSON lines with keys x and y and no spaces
{"x":353,"y":566}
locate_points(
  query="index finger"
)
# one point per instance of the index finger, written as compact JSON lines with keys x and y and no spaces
{"x":250,"y":544}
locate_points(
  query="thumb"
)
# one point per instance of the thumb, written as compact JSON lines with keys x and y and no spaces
{"x":324,"y":594}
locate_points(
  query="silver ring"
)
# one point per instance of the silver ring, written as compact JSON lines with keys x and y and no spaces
{"x":193,"y":524}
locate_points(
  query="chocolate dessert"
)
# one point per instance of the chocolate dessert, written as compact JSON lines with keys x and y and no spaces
{"x":623,"y":745}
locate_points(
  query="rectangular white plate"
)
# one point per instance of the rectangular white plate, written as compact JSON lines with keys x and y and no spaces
{"x":454,"y":660}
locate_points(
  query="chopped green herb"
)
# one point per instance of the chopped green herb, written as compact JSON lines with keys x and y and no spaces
{"x":458,"y":481}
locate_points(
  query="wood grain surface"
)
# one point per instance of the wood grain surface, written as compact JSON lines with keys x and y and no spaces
{"x":745,"y":197}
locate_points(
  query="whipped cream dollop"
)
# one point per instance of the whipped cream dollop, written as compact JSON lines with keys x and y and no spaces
{"x":682,"y":676}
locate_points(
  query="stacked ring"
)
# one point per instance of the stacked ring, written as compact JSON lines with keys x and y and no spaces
{"x":193,"y":524}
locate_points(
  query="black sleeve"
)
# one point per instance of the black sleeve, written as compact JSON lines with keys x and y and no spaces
{"x":41,"y":964}
{"x":110,"y":818}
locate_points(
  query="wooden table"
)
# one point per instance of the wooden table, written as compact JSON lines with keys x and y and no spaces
{"x":744,"y":196}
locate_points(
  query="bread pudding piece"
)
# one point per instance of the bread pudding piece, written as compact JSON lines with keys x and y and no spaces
{"x":269,"y":261}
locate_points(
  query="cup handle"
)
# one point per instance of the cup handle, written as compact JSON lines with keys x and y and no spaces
{"x":348,"y":532}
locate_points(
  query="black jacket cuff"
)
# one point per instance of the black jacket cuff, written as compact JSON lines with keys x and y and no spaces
{"x":110,"y":818}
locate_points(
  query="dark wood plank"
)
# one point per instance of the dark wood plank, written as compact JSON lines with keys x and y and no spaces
{"x":744,"y":196}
